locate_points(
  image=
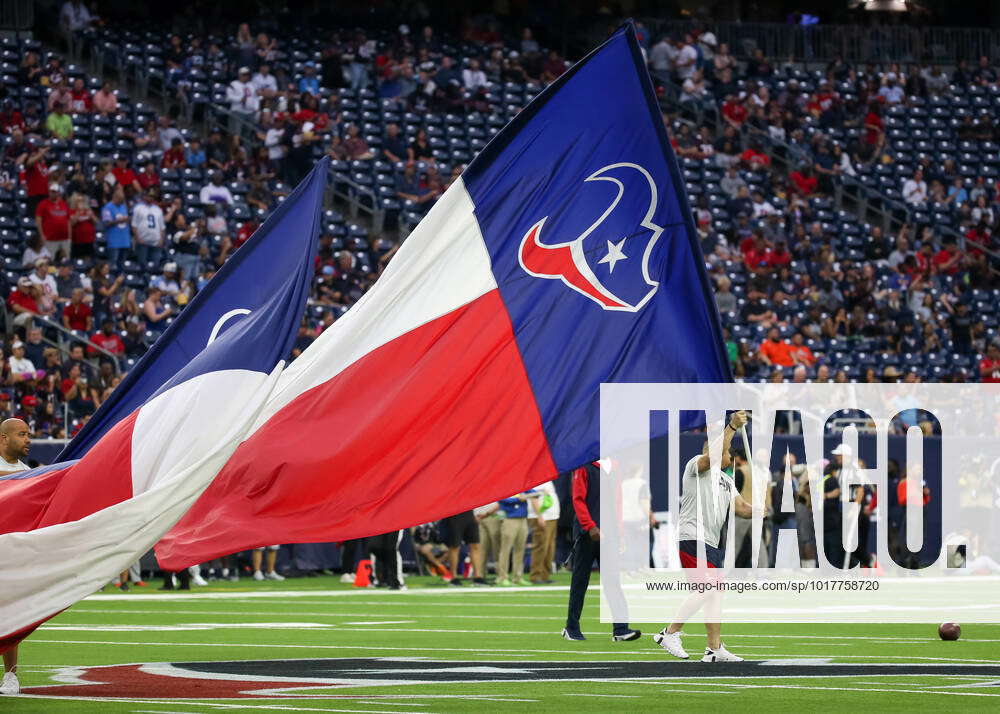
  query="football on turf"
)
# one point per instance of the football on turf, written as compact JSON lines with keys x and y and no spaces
{"x":950,"y":631}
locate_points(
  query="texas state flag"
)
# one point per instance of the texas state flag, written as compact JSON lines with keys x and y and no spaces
{"x":564,"y":257}
{"x":67,"y":529}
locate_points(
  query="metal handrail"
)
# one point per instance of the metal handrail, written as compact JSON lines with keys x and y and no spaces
{"x":73,"y":337}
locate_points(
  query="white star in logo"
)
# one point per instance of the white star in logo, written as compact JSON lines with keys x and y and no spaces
{"x":614,"y":255}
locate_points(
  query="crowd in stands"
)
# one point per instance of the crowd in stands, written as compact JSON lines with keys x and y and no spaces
{"x":809,"y":293}
{"x":112,"y":216}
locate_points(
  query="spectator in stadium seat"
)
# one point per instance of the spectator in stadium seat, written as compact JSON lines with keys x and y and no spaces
{"x":803,"y":181}
{"x":77,"y":315}
{"x":215,"y":192}
{"x":473,"y":76}
{"x":108,"y":340}
{"x":22,"y":302}
{"x":393,"y":145}
{"x":800,"y":352}
{"x":357,"y":147}
{"x":724,"y":298}
{"x":264,"y":83}
{"x":59,"y":124}
{"x":194,"y":155}
{"x":167,"y":282}
{"x":52,"y":222}
{"x":125,"y":176}
{"x":80,"y":99}
{"x":734,"y":112}
{"x":775,"y":351}
{"x":60,"y":97}
{"x":732,"y":182}
{"x":758,"y":67}
{"x":915,"y":189}
{"x":105,"y":102}
{"x":989,"y":366}
{"x":309,"y":82}
{"x":154,"y":311}
{"x":174,"y":157}
{"x":948,"y":260}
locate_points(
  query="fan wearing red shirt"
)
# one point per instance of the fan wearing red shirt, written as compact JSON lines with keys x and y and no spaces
{"x":173,"y":158}
{"x":755,"y":159}
{"x":80,"y":100}
{"x":803,"y":182}
{"x":10,"y":118}
{"x":36,"y":175}
{"x":77,"y":314}
{"x":244,"y":233}
{"x":21,"y":301}
{"x":107,"y":339}
{"x":800,"y":352}
{"x":775,"y":351}
{"x":125,"y":176}
{"x":778,"y":256}
{"x":734,"y":112}
{"x":901,"y":492}
{"x":52,"y":221}
{"x":874,"y":128}
{"x":989,"y":366}
{"x":148,"y":176}
{"x":976,"y":238}
{"x":948,"y":260}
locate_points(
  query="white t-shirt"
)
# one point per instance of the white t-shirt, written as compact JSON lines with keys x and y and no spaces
{"x":706,"y":491}
{"x":261,"y":81}
{"x":914,"y":192}
{"x":147,"y":220}
{"x":8,"y":467}
{"x":687,"y":61}
{"x":20,"y":366}
{"x":211,"y":193}
{"x":552,"y":512}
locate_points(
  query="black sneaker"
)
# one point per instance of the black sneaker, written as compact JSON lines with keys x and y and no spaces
{"x":626,"y":636}
{"x":456,"y":581}
{"x":573,"y":635}
{"x":480,"y":582}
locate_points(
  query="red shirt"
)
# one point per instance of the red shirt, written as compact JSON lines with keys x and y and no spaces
{"x":735,"y":112}
{"x":755,"y":157}
{"x":993,"y":366}
{"x":754,"y":258}
{"x":780,"y":353}
{"x":77,"y":316}
{"x":244,"y":233}
{"x":146,"y":179}
{"x":112,"y":343}
{"x":803,"y":184}
{"x":125,"y":176}
{"x":901,"y":493}
{"x":974,"y":239}
{"x":80,"y":102}
{"x":38,"y":178}
{"x":871,"y":135}
{"x":55,"y":219}
{"x":581,"y":484}
{"x":803,"y":353}
{"x":16,"y":297}
{"x":924,"y":263}
{"x":776,"y":259}
{"x":172,"y":159}
{"x":942,"y":257}
{"x":11,"y":121}
{"x":84,"y":231}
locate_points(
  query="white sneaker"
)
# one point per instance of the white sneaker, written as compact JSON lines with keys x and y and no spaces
{"x":10,"y":684}
{"x":274,"y":576}
{"x":198,"y":580}
{"x":720,"y":655}
{"x":671,"y":642}
{"x":347,"y":578}
{"x":257,"y":575}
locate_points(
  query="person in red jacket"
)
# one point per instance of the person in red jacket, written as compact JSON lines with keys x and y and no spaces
{"x":586,"y":549}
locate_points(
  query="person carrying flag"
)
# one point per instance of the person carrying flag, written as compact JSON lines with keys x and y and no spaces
{"x":15,"y":442}
{"x":704,"y":515}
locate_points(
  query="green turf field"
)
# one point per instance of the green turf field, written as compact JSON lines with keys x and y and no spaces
{"x":253,"y":646}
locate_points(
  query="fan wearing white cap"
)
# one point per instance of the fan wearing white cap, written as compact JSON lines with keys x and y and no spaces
{"x":168,"y":281}
{"x":241,"y":95}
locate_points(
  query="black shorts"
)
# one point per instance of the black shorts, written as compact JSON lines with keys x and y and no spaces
{"x":460,"y":528}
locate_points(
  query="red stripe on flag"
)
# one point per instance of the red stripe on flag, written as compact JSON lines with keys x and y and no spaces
{"x":435,"y":422}
{"x":101,"y":479}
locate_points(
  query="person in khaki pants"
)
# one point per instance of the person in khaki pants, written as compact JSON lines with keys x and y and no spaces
{"x":489,"y":533}
{"x":543,"y":517}
{"x":513,"y":537}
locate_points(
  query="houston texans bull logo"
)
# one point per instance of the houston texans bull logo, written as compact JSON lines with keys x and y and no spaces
{"x":568,"y":261}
